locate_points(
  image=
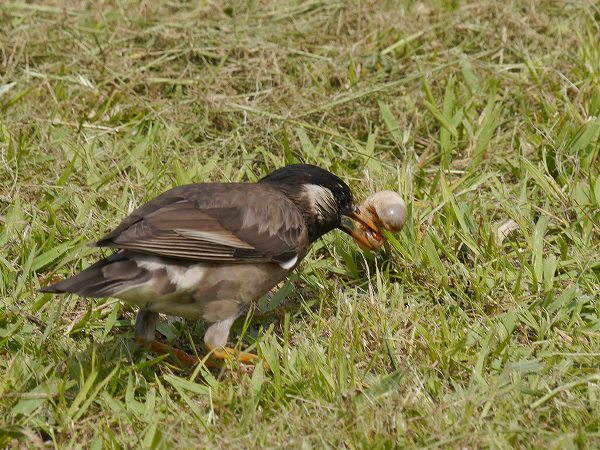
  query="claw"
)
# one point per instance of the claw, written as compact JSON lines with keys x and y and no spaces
{"x":243,"y":357}
{"x":216,"y":354}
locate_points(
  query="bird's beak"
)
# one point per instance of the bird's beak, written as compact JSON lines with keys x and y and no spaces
{"x":360,"y":233}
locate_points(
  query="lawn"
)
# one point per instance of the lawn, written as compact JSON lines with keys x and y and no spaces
{"x":479,"y":328}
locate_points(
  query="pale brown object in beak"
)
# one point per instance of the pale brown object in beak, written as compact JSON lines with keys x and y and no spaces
{"x":385,"y":209}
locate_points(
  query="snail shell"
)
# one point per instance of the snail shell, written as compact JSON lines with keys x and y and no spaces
{"x":387,"y":210}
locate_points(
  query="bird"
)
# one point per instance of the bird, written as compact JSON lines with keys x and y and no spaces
{"x":207,"y":251}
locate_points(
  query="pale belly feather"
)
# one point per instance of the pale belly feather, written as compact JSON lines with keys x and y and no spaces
{"x":208,"y":291}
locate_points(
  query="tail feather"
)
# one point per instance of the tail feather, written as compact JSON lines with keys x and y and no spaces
{"x":105,"y":278}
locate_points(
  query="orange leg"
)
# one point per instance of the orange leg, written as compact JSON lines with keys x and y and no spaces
{"x":216,"y":354}
{"x":164,"y":349}
{"x":231,"y":353}
{"x":243,"y":357}
{"x":145,"y":325}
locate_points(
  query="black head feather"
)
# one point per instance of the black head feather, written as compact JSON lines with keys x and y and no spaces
{"x":321,"y":196}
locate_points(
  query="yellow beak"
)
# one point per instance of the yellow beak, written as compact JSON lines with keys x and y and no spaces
{"x":359,"y":234}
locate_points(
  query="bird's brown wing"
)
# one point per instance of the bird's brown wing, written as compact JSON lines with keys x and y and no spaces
{"x":215,"y":222}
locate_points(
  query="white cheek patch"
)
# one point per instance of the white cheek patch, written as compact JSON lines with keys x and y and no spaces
{"x":288,"y":264}
{"x":320,"y":199}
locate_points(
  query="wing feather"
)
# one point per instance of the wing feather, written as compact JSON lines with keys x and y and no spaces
{"x":215,"y":222}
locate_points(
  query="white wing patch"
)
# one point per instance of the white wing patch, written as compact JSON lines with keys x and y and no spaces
{"x":188,"y":278}
{"x":185,"y":278}
{"x":288,"y":264}
{"x":218,"y":237}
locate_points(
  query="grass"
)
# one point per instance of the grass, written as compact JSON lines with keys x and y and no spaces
{"x":481,"y":328}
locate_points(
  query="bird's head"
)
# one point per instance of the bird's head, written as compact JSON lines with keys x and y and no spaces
{"x":325,"y":201}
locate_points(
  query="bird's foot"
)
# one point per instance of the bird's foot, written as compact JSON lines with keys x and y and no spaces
{"x":163,"y":349}
{"x":224,"y":353}
{"x":185,"y":358}
{"x":216,"y":354}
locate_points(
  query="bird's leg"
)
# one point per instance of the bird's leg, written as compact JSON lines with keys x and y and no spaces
{"x":216,"y":337}
{"x":215,"y":340}
{"x":145,"y":327}
{"x":232,"y":353}
{"x":163,"y":349}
